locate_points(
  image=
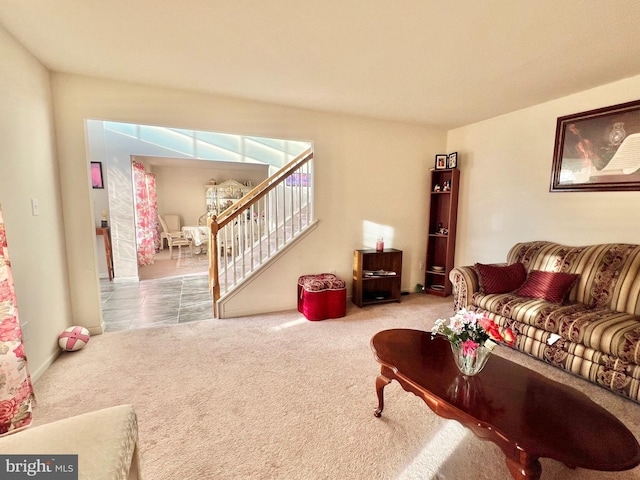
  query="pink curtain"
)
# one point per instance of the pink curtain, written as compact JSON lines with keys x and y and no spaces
{"x":16,"y":391}
{"x":146,"y":214}
{"x":153,"y":208}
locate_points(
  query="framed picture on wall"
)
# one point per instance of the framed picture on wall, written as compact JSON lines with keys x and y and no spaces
{"x":441,"y":161}
{"x":96,"y":175}
{"x":598,"y":150}
{"x":452,"y":160}
{"x":297,"y":180}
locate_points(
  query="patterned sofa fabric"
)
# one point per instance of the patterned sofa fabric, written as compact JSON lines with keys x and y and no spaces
{"x":609,"y":273}
{"x":595,"y":333}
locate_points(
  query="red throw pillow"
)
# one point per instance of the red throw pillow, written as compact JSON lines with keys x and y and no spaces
{"x":500,"y":279}
{"x":550,"y":286}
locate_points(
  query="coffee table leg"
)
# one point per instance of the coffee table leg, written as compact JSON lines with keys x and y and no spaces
{"x":526,"y":469}
{"x":381,"y":382}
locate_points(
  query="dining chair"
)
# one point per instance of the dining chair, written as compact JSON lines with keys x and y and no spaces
{"x":173,"y":223}
{"x":175,"y":238}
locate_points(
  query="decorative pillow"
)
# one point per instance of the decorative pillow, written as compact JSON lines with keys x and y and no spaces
{"x":550,"y":286}
{"x":500,"y":279}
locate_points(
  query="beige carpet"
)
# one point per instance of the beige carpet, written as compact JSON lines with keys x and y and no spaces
{"x":279,"y":397}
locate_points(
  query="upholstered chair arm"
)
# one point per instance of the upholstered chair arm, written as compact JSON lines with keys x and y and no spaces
{"x":106,"y":442}
{"x":465,"y":284}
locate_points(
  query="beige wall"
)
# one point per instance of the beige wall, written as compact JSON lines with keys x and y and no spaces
{"x":366,"y":171}
{"x":28,"y":169}
{"x":505,"y":167}
{"x":183,"y":190}
{"x":370,"y":175}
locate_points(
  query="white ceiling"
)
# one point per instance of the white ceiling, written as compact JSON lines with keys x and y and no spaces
{"x":440,"y":62}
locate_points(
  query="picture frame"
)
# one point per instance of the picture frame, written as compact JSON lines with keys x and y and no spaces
{"x":452,"y":160}
{"x":598,"y":150}
{"x":297,"y":180}
{"x":96,"y":175}
{"x":441,"y":161}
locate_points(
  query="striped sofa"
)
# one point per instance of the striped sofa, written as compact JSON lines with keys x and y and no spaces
{"x":593,"y":333}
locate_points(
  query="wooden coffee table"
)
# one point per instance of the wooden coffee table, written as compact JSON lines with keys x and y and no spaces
{"x":526,"y":414}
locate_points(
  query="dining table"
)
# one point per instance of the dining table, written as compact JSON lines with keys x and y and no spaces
{"x":198,"y":233}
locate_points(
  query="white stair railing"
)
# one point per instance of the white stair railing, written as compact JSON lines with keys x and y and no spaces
{"x":252,"y":231}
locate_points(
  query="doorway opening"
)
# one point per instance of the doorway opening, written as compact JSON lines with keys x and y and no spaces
{"x":185,"y":163}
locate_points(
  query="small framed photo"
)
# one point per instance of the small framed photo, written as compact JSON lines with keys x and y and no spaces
{"x":441,"y":161}
{"x":96,"y":175}
{"x":452,"y":160}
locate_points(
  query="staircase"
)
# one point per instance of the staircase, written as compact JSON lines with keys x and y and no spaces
{"x":266,"y":221}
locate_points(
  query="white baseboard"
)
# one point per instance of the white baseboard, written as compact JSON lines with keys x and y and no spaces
{"x":35,"y":375}
{"x":96,"y":330}
{"x":126,"y":280}
{"x":226,"y":313}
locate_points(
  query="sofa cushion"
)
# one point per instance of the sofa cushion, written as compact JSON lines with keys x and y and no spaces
{"x":606,"y":331}
{"x":529,"y":311}
{"x":499,"y":278}
{"x":604,"y":369}
{"x":550,"y":286}
{"x":608,"y":272}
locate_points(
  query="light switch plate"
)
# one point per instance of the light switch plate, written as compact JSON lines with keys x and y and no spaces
{"x":35,"y":207}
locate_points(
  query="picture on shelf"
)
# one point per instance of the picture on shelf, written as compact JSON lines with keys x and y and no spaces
{"x":452,"y":160}
{"x":441,"y":161}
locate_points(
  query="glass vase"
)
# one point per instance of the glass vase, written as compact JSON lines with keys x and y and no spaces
{"x":472,"y":363}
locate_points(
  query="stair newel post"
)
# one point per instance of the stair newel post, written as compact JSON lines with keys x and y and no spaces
{"x":214,"y":284}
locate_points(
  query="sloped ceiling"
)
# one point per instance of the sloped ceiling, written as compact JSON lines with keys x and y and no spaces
{"x":444,"y":63}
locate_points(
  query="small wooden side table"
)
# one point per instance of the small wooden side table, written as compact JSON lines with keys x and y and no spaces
{"x":106,"y":233}
{"x":377,"y":276}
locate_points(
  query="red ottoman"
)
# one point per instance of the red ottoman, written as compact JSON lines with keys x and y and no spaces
{"x":322,"y":296}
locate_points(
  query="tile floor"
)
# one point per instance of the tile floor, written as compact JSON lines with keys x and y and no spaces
{"x":150,"y":303}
